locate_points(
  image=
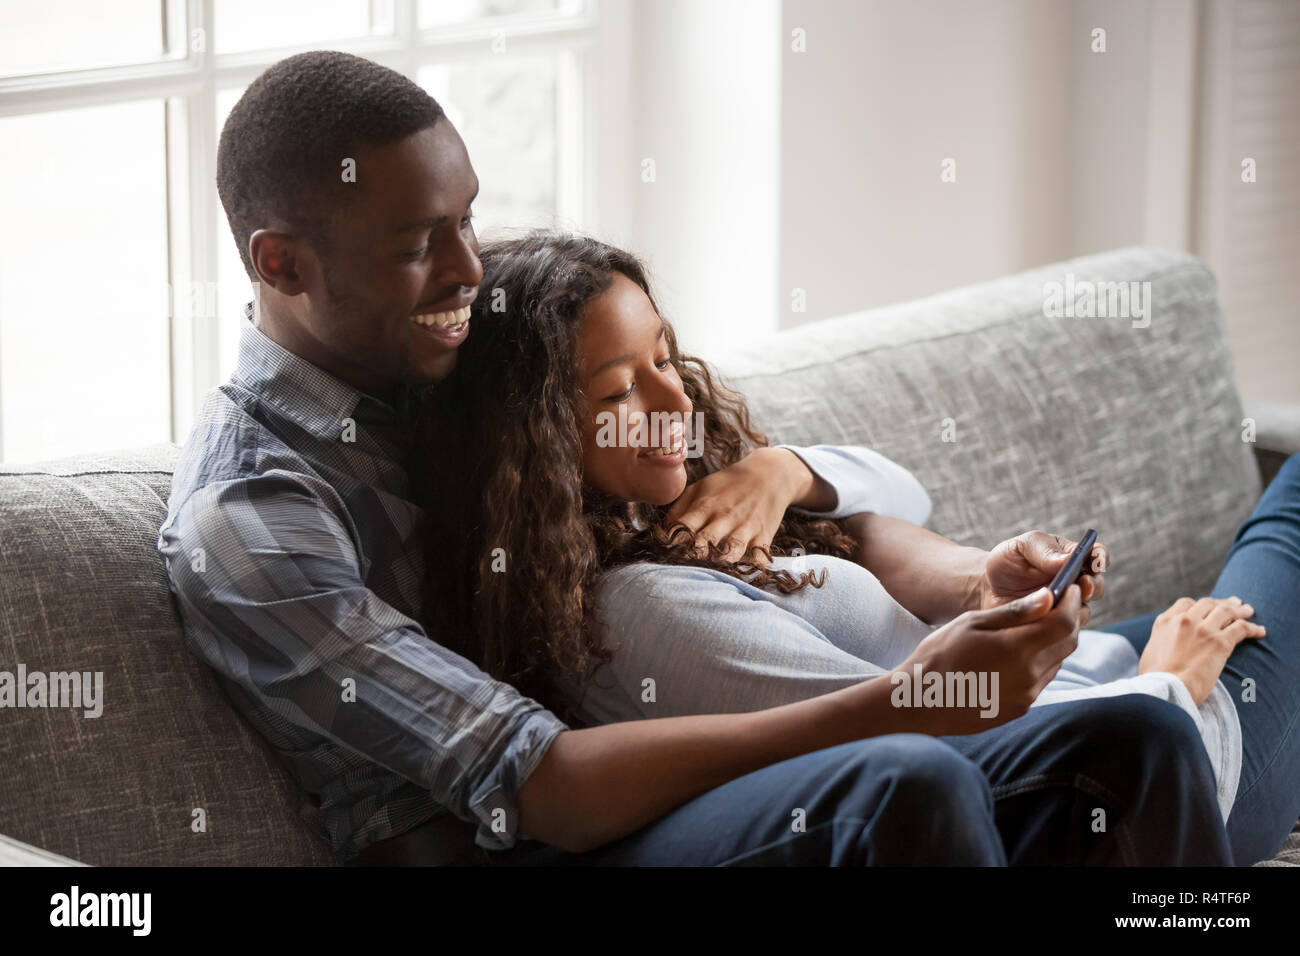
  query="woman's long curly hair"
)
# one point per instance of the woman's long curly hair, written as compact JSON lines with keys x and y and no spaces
{"x":515,"y":540}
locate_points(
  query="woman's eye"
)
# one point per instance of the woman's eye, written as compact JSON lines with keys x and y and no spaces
{"x":663,"y":365}
{"x":623,"y":396}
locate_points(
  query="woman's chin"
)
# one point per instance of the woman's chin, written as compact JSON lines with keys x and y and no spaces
{"x":665,"y":493}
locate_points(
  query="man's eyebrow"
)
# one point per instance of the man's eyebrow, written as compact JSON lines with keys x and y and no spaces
{"x":627,"y":358}
{"x":431,"y":222}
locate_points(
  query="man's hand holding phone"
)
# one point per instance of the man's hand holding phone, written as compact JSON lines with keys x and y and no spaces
{"x":1023,"y":642}
{"x":1032,"y":600}
{"x":1021,"y":565}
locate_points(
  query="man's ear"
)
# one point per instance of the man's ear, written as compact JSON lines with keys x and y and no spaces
{"x":281,"y":260}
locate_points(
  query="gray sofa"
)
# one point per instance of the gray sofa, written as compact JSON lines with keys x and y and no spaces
{"x":1012,"y":420}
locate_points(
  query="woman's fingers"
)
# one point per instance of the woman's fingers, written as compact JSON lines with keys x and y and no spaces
{"x":1178,"y":607}
{"x":1228,"y":610}
{"x":1201,"y":609}
{"x":722,"y":534}
{"x":1240,"y":630}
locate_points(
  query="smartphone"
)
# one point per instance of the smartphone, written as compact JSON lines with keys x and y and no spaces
{"x":1072,"y":568}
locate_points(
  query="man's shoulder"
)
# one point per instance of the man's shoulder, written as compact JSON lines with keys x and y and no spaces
{"x":232,"y":440}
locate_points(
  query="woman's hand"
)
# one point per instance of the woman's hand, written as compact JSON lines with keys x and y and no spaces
{"x":1192,"y":641}
{"x":741,"y":506}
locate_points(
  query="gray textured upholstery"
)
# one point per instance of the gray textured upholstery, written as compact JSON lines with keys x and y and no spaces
{"x":1060,"y":424}
{"x":83,"y":588}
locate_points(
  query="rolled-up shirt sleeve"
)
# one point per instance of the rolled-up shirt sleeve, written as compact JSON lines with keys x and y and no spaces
{"x":865,"y":480}
{"x":271,"y":582}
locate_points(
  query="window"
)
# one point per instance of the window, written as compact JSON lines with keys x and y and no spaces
{"x":121,"y":289}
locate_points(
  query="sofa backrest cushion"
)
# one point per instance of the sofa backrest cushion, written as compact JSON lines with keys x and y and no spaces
{"x":83,"y":588}
{"x":1015,"y":420}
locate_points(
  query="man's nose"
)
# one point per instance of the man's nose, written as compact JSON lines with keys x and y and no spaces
{"x":461,"y":265}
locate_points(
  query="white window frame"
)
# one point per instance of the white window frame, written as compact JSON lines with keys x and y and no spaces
{"x":189,"y":85}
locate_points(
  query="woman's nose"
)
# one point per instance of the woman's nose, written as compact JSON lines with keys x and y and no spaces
{"x":672,"y":398}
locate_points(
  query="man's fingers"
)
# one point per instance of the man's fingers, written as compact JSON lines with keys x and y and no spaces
{"x":1058,"y":625}
{"x":1044,"y":551}
{"x":1051,"y":658}
{"x":1022,"y":611}
{"x":1100,"y":559}
{"x":1202,"y":608}
{"x":1093,"y":587}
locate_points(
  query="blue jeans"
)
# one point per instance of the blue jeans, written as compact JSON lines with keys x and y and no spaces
{"x":1263,"y":569}
{"x":1113,"y":780}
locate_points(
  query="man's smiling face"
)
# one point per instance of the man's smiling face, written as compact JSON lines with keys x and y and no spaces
{"x":388,"y":302}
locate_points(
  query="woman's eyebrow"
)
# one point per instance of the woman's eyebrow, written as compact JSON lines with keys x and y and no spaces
{"x":629,"y":357}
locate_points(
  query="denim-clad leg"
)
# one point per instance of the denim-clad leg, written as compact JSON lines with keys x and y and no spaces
{"x":1106,"y":781}
{"x":898,"y":800}
{"x":1263,"y":569}
{"x":1112,"y":781}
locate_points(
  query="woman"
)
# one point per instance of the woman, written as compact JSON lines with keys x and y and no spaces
{"x":570,"y":581}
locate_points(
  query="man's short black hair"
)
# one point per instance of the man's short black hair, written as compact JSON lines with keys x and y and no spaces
{"x":281,"y":153}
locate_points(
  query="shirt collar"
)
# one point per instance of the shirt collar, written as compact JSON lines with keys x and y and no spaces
{"x":308,"y":394}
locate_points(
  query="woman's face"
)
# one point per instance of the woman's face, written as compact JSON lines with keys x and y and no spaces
{"x":627,"y":377}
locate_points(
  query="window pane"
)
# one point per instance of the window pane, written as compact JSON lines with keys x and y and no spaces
{"x":436,"y":13}
{"x":46,"y":35}
{"x":504,"y":109}
{"x":233,"y":287}
{"x":243,"y":25}
{"x":84,"y":331}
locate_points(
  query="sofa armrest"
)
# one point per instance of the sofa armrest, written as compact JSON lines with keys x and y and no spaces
{"x":1277,"y":434}
{"x":16,"y":853}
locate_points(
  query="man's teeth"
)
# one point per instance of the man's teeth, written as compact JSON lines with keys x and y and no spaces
{"x":444,"y":319}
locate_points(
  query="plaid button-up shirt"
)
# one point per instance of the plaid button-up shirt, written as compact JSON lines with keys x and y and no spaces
{"x":293,"y":550}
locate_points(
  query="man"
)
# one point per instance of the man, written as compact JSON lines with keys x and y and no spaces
{"x":292,"y":549}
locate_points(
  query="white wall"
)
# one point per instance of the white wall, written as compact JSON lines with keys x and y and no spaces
{"x":699,"y":94}
{"x":886,"y":91}
{"x":1060,"y":151}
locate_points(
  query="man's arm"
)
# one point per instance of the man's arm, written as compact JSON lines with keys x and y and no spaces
{"x":600,"y":784}
{"x":269,"y":580}
{"x":937,"y":579}
{"x":934,"y":578}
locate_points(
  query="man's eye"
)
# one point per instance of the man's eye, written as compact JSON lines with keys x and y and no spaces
{"x":415,"y":253}
{"x":469,"y":217}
